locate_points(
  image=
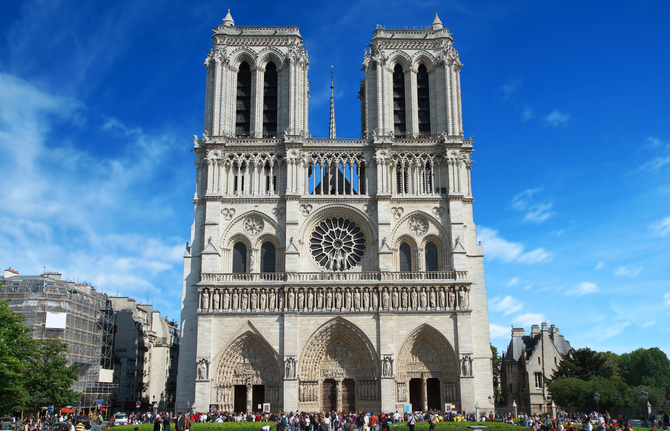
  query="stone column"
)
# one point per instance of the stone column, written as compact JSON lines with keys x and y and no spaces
{"x":338,"y":383}
{"x":424,"y":392}
{"x":249,"y":396}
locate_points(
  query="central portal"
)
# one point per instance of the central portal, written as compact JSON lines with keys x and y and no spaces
{"x":348,"y":395}
{"x":329,"y":395}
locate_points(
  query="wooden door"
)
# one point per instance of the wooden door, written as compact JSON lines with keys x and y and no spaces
{"x":348,"y":395}
{"x":329,"y":395}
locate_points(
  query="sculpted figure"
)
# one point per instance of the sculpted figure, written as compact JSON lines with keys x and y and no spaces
{"x":338,"y":299}
{"x":226,"y":300}
{"x":424,"y":302}
{"x":415,"y":299}
{"x":395,"y":298}
{"x":202,"y":370}
{"x":319,"y":299}
{"x":263,"y":300}
{"x":347,"y":299}
{"x":310,"y":299}
{"x":461,"y":298}
{"x":404,"y":299}
{"x":254,"y":299}
{"x":432,"y":298}
{"x":375,"y":299}
{"x":245,"y":301}
{"x":329,"y":299}
{"x":385,"y":299}
{"x":215,"y":300}
{"x":271,"y":300}
{"x":280,"y":301}
{"x":366,"y":299}
{"x":301,"y":300}
{"x":441,"y":298}
{"x":452,"y":299}
{"x":290,"y":368}
{"x":236,"y":300}
{"x":466,"y":297}
{"x":291,"y":300}
{"x":204,"y":300}
{"x":357,"y":300}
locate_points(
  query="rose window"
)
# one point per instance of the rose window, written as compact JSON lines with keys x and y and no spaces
{"x":337,"y":244}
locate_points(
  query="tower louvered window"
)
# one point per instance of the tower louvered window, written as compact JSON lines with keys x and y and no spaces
{"x":270,"y":100}
{"x":399,"y":121}
{"x":405,"y":257}
{"x":268,"y":255}
{"x":239,"y":258}
{"x":431,"y":257}
{"x":243,"y":110}
{"x":423,"y":96}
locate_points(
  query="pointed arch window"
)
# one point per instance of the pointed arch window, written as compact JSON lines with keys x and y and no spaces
{"x":268,"y":256}
{"x":431,"y":257}
{"x":270,"y":100}
{"x":405,"y":257}
{"x":399,"y":120}
{"x":239,"y":258}
{"x":243,"y":108}
{"x":423,"y":97}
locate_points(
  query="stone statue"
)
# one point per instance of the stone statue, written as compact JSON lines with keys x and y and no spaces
{"x":424,"y":302}
{"x":254,"y":299}
{"x":466,"y":297}
{"x":395,"y":298}
{"x":419,"y":260}
{"x":375,"y":299}
{"x":357,"y":300}
{"x":432,"y":298}
{"x":263,"y":300}
{"x":226,"y":300}
{"x":347,"y":299}
{"x":301,"y":300}
{"x":251,"y":262}
{"x":385,"y":299}
{"x":319,"y":299}
{"x":291,"y":300}
{"x":280,"y":301}
{"x":338,"y":299}
{"x":236,"y":300}
{"x":461,"y":298}
{"x":215,"y":300}
{"x":452,"y":299}
{"x":202,"y":369}
{"x":245,"y":300}
{"x":387,"y":367}
{"x":271,"y":301}
{"x":404,"y":299}
{"x":466,"y":368}
{"x":290,"y":368}
{"x":366,"y":299}
{"x":414,"y":299}
{"x":441,"y":298}
{"x":329,"y":299}
{"x":310,"y":299}
{"x":205,"y":300}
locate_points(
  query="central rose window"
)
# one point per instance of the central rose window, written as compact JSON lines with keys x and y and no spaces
{"x":337,"y":244}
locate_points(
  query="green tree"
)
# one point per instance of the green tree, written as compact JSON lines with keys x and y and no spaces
{"x":583,"y":364}
{"x":569,"y":391}
{"x":496,"y":362}
{"x":18,"y":347}
{"x":51,"y":377}
{"x":647,"y":367}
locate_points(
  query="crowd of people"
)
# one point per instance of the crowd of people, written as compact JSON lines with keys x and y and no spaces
{"x":593,"y":421}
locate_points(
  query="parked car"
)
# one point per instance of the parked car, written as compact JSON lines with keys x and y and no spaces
{"x":120,"y":419}
{"x":7,"y":423}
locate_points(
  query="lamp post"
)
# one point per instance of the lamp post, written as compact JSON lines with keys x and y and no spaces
{"x":596,"y":398}
{"x":36,"y":400}
{"x":644,"y":397}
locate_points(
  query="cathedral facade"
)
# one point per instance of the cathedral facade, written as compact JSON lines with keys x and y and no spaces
{"x":333,"y":274}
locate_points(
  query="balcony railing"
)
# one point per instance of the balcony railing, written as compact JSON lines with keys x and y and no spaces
{"x":335,"y":276}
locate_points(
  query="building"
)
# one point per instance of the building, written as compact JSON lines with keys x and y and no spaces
{"x":528,"y":360}
{"x":75,"y":313}
{"x":146,"y":351}
{"x":333,"y":274}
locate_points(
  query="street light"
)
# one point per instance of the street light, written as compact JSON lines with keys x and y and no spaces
{"x":36,"y":400}
{"x":644,"y":397}
{"x":596,"y":397}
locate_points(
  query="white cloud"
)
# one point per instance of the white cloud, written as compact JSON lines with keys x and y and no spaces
{"x":666,"y":297}
{"x":496,"y":248}
{"x":506,"y":305}
{"x":528,"y":319}
{"x":513,"y":282}
{"x":661,"y":227}
{"x":527,"y":114}
{"x":510,"y":88}
{"x":600,"y":265}
{"x":583,"y":288}
{"x":648,"y":324}
{"x":556,"y":119}
{"x":498,"y":331}
{"x":535,"y":212}
{"x":625,"y":271}
{"x":612,"y":329}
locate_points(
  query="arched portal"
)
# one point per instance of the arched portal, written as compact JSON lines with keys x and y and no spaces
{"x":339,"y":368}
{"x":248,"y":374}
{"x":427,"y":370}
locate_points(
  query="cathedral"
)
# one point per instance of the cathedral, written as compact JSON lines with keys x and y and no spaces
{"x":333,"y":274}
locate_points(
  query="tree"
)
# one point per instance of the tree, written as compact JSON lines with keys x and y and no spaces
{"x":496,"y":362}
{"x":18,"y":347}
{"x":648,"y":367}
{"x":583,"y":364}
{"x":51,"y":377}
{"x":569,"y":391}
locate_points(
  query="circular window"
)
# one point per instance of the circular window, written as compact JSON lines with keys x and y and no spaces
{"x":337,"y":244}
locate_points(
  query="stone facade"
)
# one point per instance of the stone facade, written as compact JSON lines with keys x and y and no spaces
{"x":146,"y":351}
{"x":333,"y":274}
{"x":526,"y":364}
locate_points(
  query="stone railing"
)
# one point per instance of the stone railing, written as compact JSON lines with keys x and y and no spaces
{"x":334,"y":276}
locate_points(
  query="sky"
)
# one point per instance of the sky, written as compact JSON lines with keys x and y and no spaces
{"x":568,"y":103}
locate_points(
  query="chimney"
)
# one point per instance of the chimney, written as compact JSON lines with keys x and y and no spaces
{"x":9,"y":272}
{"x":534,"y":330}
{"x":52,"y":275}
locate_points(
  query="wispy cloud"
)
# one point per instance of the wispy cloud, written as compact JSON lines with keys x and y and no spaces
{"x":600,"y":265}
{"x":509,"y":90}
{"x":661,"y":227}
{"x":528,"y":319}
{"x":506,"y":305}
{"x":648,"y":324}
{"x":497,"y":248}
{"x":513,"y":282}
{"x":498,"y":331}
{"x":583,"y":288}
{"x":666,"y":297}
{"x":556,"y":119}
{"x":628,"y":271}
{"x":535,"y":212}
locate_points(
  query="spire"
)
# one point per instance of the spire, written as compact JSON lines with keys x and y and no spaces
{"x":228,"y":20}
{"x":332,"y":134}
{"x":437,"y":24}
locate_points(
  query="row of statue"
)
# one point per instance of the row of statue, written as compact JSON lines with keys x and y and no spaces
{"x":335,"y":299}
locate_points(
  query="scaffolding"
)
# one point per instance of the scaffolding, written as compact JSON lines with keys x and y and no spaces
{"x":78,"y":315}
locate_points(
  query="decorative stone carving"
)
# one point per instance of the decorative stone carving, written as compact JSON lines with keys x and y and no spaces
{"x":253,"y":225}
{"x":228,"y":213}
{"x":337,"y":244}
{"x":439,"y":211}
{"x":387,"y":366}
{"x":215,"y":300}
{"x":203,"y":369}
{"x":452,"y":298}
{"x":369,"y":210}
{"x":278,"y":212}
{"x":305,"y":209}
{"x":204,"y":301}
{"x":466,"y":366}
{"x":396,"y":212}
{"x":418,"y":225}
{"x":289,"y":368}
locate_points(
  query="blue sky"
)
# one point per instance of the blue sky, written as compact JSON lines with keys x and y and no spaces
{"x":568,"y":102}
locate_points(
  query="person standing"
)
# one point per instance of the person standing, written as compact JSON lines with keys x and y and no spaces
{"x":158,"y":423}
{"x":411,"y":421}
